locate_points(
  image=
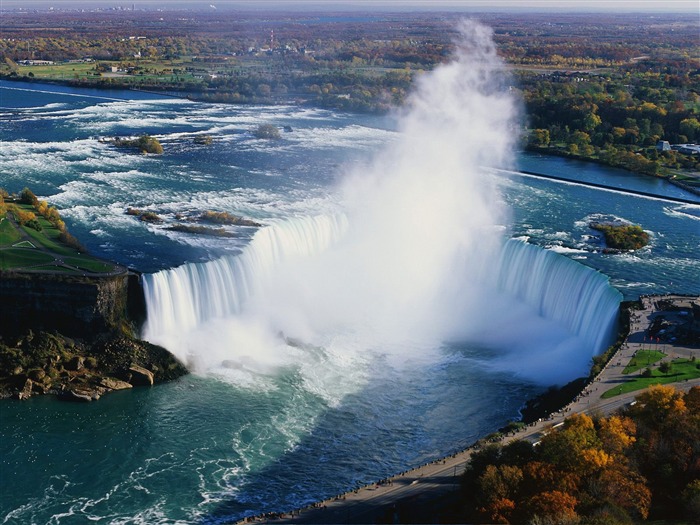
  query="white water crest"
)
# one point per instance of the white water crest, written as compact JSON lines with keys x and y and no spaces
{"x":405,"y":264}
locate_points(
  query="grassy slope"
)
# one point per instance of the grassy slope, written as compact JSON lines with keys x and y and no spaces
{"x":16,"y":255}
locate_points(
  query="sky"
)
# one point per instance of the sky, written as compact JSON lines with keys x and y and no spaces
{"x":690,"y":6}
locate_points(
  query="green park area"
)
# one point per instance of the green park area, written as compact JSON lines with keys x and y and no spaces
{"x":642,"y":359}
{"x":39,"y":245}
{"x":666,"y":372}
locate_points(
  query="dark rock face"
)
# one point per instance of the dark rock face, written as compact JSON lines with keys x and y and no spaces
{"x":70,"y":336}
{"x":73,"y":306}
{"x":44,"y":363}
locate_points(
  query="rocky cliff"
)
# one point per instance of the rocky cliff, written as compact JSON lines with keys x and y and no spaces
{"x":72,"y":336}
{"x":73,"y":305}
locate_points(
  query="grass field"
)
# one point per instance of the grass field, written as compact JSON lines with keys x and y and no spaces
{"x":681,"y":370}
{"x":15,"y":258}
{"x":44,"y":251}
{"x":8,"y":234}
{"x":642,"y":359}
{"x":152,"y":70}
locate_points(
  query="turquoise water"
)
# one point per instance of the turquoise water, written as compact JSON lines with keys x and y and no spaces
{"x":237,"y":441}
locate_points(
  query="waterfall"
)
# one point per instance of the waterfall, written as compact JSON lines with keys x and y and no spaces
{"x":407,"y":264}
{"x":181,"y":299}
{"x":561,"y":289}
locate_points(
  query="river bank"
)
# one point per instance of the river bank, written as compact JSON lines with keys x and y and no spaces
{"x":419,"y":495}
{"x":684,"y":179}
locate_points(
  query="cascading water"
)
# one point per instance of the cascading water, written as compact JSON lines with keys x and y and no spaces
{"x":181,"y":299}
{"x":555,"y":288}
{"x":561,"y":289}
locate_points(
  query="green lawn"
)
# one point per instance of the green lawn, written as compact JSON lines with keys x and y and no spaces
{"x":18,"y":258}
{"x":681,"y":370}
{"x":8,"y":234}
{"x":643,"y":359}
{"x":89,"y":264}
{"x":48,"y":238}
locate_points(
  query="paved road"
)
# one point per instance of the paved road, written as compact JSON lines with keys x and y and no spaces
{"x":441,"y":477}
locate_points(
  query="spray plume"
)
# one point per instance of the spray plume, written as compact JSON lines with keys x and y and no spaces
{"x":404,"y":264}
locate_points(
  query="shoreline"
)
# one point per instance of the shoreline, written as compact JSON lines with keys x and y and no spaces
{"x":419,"y":489}
{"x":605,"y":187}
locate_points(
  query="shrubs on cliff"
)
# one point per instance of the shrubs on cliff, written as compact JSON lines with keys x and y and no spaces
{"x":25,"y":218}
{"x":50,"y":213}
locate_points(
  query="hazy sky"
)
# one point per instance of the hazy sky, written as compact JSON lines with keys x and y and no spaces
{"x":690,"y":6}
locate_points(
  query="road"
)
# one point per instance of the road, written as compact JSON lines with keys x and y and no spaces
{"x":439,"y":478}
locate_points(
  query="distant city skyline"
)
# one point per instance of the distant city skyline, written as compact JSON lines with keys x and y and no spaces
{"x":690,"y":6}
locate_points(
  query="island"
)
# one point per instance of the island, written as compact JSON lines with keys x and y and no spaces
{"x":622,"y":237}
{"x":68,"y":320}
{"x":144,"y":144}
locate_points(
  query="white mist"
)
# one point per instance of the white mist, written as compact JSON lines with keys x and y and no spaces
{"x":407,"y":263}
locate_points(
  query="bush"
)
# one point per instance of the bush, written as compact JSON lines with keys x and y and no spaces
{"x":27,"y":197}
{"x":145,"y":144}
{"x":203,"y":140}
{"x":34,"y":224}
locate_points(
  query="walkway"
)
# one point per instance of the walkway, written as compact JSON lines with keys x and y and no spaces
{"x":440,"y":478}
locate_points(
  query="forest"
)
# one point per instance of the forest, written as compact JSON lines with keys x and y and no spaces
{"x":619,"y":89}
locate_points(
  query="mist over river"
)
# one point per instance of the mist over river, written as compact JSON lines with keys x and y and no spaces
{"x":382,"y":316}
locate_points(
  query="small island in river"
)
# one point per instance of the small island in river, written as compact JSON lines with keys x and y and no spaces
{"x":144,"y":144}
{"x":622,"y":237}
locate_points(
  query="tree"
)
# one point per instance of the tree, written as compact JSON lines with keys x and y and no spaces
{"x":539,"y":137}
{"x":624,"y":488}
{"x":690,"y":127}
{"x":617,"y":434}
{"x":26,"y":196}
{"x":591,"y":121}
{"x":659,"y":403}
{"x":553,"y":507}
